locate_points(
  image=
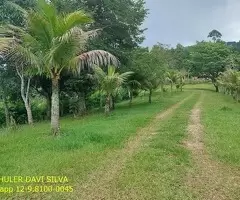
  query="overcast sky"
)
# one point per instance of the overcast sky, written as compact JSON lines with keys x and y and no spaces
{"x":185,"y":21}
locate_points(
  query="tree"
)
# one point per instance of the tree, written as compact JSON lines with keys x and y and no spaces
{"x":76,"y":89}
{"x":150,"y":67}
{"x":4,"y":82}
{"x":11,"y":11}
{"x":172,"y":76}
{"x":132,"y":84}
{"x":25,"y":87}
{"x":121,"y":22}
{"x":215,"y":35}
{"x":110,"y":82}
{"x":181,"y":79}
{"x":54,"y":42}
{"x":209,"y":59}
{"x":230,"y":81}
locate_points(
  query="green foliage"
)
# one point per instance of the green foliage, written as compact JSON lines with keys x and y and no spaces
{"x":121,"y":22}
{"x":179,"y":58}
{"x":110,"y":82}
{"x":230,"y":83}
{"x":150,"y":66}
{"x":209,"y":59}
{"x":12,"y":11}
{"x":52,"y":42}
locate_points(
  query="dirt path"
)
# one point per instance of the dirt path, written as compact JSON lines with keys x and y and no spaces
{"x":101,"y":184}
{"x":209,"y":180}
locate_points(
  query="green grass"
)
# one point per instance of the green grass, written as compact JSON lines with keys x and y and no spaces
{"x":157,"y":172}
{"x":220,"y":117}
{"x":221,"y":121}
{"x":84,"y":145}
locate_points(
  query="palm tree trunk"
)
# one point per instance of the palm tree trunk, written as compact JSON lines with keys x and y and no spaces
{"x":48,"y":101}
{"x":130,"y":94}
{"x":171,"y":87}
{"x":107,"y":106}
{"x":150,"y":96}
{"x":112,"y":102}
{"x":55,"y":106}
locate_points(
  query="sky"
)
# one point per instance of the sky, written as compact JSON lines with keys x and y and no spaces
{"x":187,"y":21}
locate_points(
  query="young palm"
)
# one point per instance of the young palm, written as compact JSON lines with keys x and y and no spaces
{"x":230,"y":80}
{"x":110,"y":82}
{"x":172,"y":77}
{"x":54,"y":42}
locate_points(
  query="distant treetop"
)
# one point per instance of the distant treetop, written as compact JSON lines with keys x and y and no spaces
{"x":215,"y":35}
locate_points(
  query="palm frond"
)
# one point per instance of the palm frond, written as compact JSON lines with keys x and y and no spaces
{"x":78,"y":17}
{"x":133,"y":83}
{"x":126,"y":75}
{"x":81,"y":37}
{"x":4,"y":44}
{"x":92,"y":58}
{"x":99,"y":73}
{"x":22,"y":56}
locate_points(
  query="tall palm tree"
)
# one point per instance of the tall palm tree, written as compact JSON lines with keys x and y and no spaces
{"x":54,"y":42}
{"x":110,"y":82}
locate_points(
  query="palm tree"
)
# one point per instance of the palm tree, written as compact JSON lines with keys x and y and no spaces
{"x":132,"y":85}
{"x":110,"y":82}
{"x":54,"y":42}
{"x":181,"y":78}
{"x":230,"y":81}
{"x":150,"y":84}
{"x":172,"y":77}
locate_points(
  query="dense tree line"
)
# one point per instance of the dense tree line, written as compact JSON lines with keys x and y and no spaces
{"x":68,"y":57}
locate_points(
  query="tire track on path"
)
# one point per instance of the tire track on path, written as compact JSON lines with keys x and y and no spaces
{"x":100,"y":185}
{"x":209,"y":180}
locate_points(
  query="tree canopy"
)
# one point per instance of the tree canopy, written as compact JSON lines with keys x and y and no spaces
{"x":209,"y":59}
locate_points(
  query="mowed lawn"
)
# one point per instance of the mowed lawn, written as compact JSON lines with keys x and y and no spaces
{"x":221,"y":120}
{"x":158,"y":171}
{"x":84,"y":145}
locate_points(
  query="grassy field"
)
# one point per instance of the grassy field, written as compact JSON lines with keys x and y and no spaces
{"x":222,"y":126}
{"x":221,"y":123}
{"x":157,"y":171}
{"x":31,"y":151}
